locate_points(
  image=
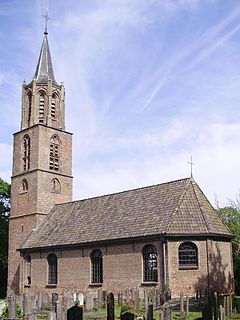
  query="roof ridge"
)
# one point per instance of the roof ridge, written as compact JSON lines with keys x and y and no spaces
{"x":179,"y":202}
{"x":198,"y":202}
{"x":124,"y":191}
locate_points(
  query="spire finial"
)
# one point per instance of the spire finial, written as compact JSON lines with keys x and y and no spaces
{"x":191,"y":164}
{"x":46,"y":17}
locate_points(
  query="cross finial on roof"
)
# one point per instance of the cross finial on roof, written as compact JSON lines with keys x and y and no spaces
{"x":191,"y":164}
{"x":46,"y":17}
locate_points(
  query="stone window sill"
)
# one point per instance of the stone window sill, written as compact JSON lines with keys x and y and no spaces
{"x":95,"y":285}
{"x":51,"y":285}
{"x":188,"y":267}
{"x":149,"y":283}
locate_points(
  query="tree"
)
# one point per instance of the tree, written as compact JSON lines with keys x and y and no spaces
{"x":231,"y":217}
{"x":4,"y":215}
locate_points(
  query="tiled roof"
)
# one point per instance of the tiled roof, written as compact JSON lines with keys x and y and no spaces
{"x":172,"y":208}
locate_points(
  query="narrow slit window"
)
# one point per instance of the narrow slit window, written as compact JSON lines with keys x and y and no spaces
{"x":97,"y":266}
{"x":29,"y":108}
{"x":52,"y":269}
{"x":26,"y":153}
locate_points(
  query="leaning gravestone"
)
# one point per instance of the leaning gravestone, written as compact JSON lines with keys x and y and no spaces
{"x":110,"y":306}
{"x":75,"y":313}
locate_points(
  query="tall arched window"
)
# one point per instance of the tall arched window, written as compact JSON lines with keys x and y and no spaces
{"x":29,"y":107}
{"x":41,"y":107}
{"x":54,"y":153}
{"x":150,"y":273}
{"x":27,"y":270}
{"x":24,"y":186}
{"x":187,"y":255}
{"x":52,"y":269}
{"x":26,"y":152}
{"x":53,"y":107}
{"x":97,"y":266}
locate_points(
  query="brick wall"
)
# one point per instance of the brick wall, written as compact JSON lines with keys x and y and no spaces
{"x":122,"y":268}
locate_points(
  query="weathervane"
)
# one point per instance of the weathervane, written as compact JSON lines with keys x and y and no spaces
{"x":191,"y":164}
{"x":46,"y":17}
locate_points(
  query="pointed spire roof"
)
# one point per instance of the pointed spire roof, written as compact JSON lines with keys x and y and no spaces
{"x":44,"y":68}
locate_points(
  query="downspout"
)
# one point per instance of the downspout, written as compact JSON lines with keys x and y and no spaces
{"x":208,"y":273}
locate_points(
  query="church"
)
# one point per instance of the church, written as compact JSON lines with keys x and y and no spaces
{"x":161,"y":236}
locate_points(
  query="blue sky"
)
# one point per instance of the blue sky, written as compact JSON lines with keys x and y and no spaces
{"x":147,"y":83}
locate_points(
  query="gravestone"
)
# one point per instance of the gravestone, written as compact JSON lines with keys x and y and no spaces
{"x":99,"y":299}
{"x":104,"y":295}
{"x":51,"y":315}
{"x":120,"y":298}
{"x":27,"y":310}
{"x":46,"y":302}
{"x":146,"y":299}
{"x":150,"y":312}
{"x":181,"y":305}
{"x":136,"y":302}
{"x":39,"y":301}
{"x":110,"y":306}
{"x":75,"y":313}
{"x":59,"y":310}
{"x":154,"y":297}
{"x":81,"y":298}
{"x":127,"y":316}
{"x":89,"y":301}
{"x":12,"y":306}
{"x":69,"y":301}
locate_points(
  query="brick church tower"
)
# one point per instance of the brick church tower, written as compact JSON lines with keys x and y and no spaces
{"x":42,"y":160}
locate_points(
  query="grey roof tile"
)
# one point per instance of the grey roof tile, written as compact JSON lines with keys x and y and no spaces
{"x":177,"y":207}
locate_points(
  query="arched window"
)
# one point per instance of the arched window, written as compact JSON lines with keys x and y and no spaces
{"x":187,"y":255}
{"x":27,"y":270}
{"x":41,"y":107}
{"x":56,"y":186}
{"x":52,"y":269}
{"x":24,"y":186}
{"x":26,"y":152}
{"x":29,"y":107}
{"x":53,"y":107}
{"x":97,"y":266}
{"x":54,"y":153}
{"x":150,"y":273}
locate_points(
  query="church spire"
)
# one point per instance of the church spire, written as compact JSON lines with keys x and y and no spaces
{"x":44,"y":69}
